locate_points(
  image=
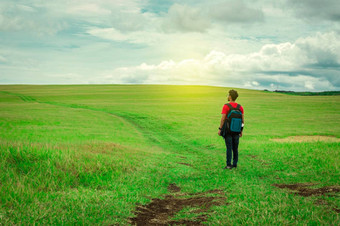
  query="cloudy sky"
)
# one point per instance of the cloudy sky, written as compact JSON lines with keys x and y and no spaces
{"x":260,"y":44}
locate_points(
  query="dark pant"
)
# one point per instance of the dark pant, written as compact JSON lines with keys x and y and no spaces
{"x":231,"y":141}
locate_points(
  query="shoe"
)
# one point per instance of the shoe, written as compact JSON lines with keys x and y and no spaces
{"x":234,"y":166}
{"x":228,"y":167}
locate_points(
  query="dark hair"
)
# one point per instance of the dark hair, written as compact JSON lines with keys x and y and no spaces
{"x":233,"y":94}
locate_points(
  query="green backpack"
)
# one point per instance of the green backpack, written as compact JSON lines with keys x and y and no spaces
{"x":233,"y":123}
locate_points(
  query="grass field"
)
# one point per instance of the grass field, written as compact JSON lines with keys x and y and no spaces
{"x":124,"y":154}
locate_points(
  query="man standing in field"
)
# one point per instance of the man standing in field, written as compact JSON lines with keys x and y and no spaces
{"x":231,"y":138}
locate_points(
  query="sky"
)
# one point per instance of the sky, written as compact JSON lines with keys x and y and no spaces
{"x":260,"y":44}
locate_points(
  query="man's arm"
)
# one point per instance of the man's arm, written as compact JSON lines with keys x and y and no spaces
{"x":241,"y":134}
{"x":221,"y":123}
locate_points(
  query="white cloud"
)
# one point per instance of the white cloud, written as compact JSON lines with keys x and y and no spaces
{"x":25,"y":8}
{"x":285,"y":64}
{"x":228,"y":42}
{"x":322,"y":49}
{"x":235,"y":11}
{"x":109,"y":33}
{"x":316,"y":9}
{"x":125,"y":16}
{"x":19,"y":17}
{"x":255,"y":83}
{"x":88,"y":9}
{"x":186,"y":19}
{"x":50,"y":17}
{"x":137,"y":37}
{"x":3,"y":59}
{"x":309,"y":85}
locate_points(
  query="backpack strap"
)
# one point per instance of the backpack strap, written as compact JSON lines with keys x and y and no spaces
{"x":238,"y":107}
{"x":230,"y":107}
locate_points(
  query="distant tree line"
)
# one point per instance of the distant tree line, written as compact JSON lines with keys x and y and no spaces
{"x":324,"y":93}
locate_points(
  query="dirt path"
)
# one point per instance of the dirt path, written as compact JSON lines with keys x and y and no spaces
{"x":303,"y":189}
{"x":161,"y":211}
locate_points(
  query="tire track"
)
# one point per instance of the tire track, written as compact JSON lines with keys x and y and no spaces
{"x":26,"y":98}
{"x":21,"y":96}
{"x":143,"y":128}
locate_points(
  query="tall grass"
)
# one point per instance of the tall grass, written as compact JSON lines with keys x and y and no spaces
{"x":89,"y":154}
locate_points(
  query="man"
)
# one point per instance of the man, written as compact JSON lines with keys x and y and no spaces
{"x":231,"y":140}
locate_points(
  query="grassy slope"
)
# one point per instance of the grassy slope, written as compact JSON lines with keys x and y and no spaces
{"x":88,"y":154}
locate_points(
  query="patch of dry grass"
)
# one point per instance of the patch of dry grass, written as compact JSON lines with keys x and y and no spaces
{"x":307,"y":139}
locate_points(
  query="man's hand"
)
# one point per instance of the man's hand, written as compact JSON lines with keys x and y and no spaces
{"x":221,"y":123}
{"x":241,"y":134}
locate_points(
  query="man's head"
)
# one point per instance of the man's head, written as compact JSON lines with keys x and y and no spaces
{"x":232,"y":95}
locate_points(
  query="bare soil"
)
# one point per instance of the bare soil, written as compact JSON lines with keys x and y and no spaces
{"x":173,"y":188}
{"x":259,"y":160}
{"x":183,"y":157}
{"x":322,"y":202}
{"x":300,"y":139}
{"x":304,"y":190}
{"x":252,"y":156}
{"x":160,"y":211}
{"x":183,"y":163}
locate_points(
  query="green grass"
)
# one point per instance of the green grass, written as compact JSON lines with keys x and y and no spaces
{"x":88,"y":154}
